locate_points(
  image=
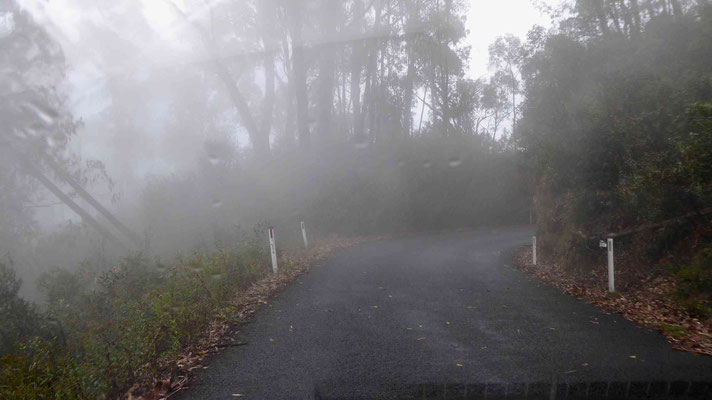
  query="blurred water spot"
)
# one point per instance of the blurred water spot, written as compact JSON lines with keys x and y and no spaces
{"x":50,"y":141}
{"x":7,"y":24}
{"x":427,"y":164}
{"x":198,"y":270}
{"x":217,"y":203}
{"x":455,"y":162}
{"x":213,"y":159}
{"x":34,"y":130}
{"x":46,"y":114}
{"x":360,"y":142}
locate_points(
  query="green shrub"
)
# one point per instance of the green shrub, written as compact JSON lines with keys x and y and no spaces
{"x":40,"y":371}
{"x":120,"y":327}
{"x":19,"y":318}
{"x":694,"y":284}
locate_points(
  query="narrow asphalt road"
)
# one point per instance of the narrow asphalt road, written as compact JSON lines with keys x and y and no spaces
{"x":445,"y":310}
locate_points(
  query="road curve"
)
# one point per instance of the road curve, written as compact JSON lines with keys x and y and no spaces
{"x":387,"y":318}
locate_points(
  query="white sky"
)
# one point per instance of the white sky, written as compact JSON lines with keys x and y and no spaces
{"x":488,"y":19}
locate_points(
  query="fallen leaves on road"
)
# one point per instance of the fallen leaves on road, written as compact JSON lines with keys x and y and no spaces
{"x":648,"y":302}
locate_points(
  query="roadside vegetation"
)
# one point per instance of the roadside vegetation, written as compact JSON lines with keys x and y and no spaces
{"x":113,"y":334}
{"x":617,"y":123}
{"x":103,"y":331}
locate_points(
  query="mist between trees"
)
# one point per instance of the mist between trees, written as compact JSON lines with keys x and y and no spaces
{"x":355,"y":117}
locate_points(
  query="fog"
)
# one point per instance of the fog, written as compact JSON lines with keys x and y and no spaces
{"x":147,"y":146}
{"x":194,"y":122}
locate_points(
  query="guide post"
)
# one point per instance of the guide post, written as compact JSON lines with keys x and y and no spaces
{"x":304,"y":236}
{"x":273,"y":249}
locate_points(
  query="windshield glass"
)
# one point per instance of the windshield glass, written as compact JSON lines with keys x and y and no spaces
{"x":355,"y":198}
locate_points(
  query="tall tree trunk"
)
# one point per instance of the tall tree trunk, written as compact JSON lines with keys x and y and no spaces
{"x":241,"y":106}
{"x":408,"y":96}
{"x":262,"y":145}
{"x":616,"y":18}
{"x":356,"y":66}
{"x":288,"y":138}
{"x":410,"y":75}
{"x":514,"y":110}
{"x":243,"y":109}
{"x":635,"y":11}
{"x":357,"y":53}
{"x":267,"y":15}
{"x":327,"y":69}
{"x":632,"y":22}
{"x":372,"y":71}
{"x":299,"y":71}
{"x":601,"y":16}
{"x":445,"y":89}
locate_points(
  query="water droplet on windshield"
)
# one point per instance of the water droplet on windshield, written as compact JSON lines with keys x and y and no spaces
{"x":360,"y":142}
{"x":455,"y":162}
{"x":51,"y":142}
{"x":45,"y":114}
{"x":7,"y":24}
{"x":213,"y":159}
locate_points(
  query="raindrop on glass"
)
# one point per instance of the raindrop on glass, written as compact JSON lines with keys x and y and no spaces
{"x":45,"y":114}
{"x":213,"y":159}
{"x":427,"y":164}
{"x":51,"y":142}
{"x":7,"y":24}
{"x":455,"y":162}
{"x":217,"y":203}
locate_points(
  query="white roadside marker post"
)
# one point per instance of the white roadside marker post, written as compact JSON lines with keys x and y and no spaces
{"x":304,"y":236}
{"x":611,"y":274}
{"x":611,"y":270}
{"x":534,"y":250}
{"x":273,"y":249}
